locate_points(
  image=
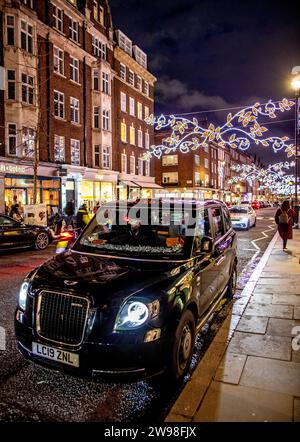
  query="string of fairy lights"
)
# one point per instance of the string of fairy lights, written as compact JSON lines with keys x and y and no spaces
{"x":240,"y":131}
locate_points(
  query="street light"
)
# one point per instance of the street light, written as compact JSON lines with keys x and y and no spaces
{"x":296,"y":87}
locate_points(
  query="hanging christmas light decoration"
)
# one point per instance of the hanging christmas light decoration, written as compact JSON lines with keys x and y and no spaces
{"x":239,"y":132}
{"x":250,"y":172}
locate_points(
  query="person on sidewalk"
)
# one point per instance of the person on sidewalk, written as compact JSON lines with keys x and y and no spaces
{"x":82,"y":217}
{"x":284,"y":219}
{"x":69,"y":211}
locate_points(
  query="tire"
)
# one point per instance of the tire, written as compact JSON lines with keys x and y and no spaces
{"x":182,"y":347}
{"x":231,"y":284}
{"x":254,"y":225}
{"x":41,"y":241}
{"x":248,"y":226}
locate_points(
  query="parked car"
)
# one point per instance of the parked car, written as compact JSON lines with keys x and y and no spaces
{"x":242,"y":217}
{"x":255,"y":205}
{"x":17,"y":235}
{"x":127,"y":299}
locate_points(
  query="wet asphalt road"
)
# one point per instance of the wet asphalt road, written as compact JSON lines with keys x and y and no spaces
{"x":32,"y":393}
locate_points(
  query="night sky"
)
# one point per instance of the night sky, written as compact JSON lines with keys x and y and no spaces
{"x":210,"y":54}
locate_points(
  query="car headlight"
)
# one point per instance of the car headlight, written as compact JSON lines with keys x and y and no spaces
{"x":23,"y":295}
{"x":133,"y":314}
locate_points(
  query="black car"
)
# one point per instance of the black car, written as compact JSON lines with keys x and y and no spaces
{"x":129,"y":297}
{"x":17,"y":235}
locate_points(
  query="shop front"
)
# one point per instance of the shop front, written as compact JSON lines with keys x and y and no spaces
{"x":132,"y":187}
{"x":17,"y":185}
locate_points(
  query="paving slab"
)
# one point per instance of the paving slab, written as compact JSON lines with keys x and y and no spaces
{"x":236,"y":403}
{"x":231,"y":368}
{"x":296,"y":410}
{"x":279,"y":275}
{"x":281,"y":327}
{"x":263,"y":298}
{"x":267,"y":346}
{"x":292,"y":289}
{"x":286,"y":299}
{"x":296,"y":312}
{"x":269,"y":281}
{"x":267,"y":310}
{"x":272,"y":375}
{"x":253,"y":324}
{"x":296,"y":356}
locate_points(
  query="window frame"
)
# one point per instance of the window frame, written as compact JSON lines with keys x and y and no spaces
{"x":74,"y":110}
{"x":11,"y":136}
{"x":58,"y":60}
{"x":74,"y":69}
{"x":75,"y":144}
{"x":106,"y":157}
{"x":58,"y":22}
{"x":11,"y":83}
{"x":12,"y":27}
{"x":58,"y":158}
{"x":28,"y":37}
{"x":60,"y":103}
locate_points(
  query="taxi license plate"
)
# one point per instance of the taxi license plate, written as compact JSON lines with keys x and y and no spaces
{"x":55,"y":354}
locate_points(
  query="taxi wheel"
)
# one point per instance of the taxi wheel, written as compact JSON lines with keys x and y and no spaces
{"x":41,"y":241}
{"x":232,"y":284}
{"x":183,"y":346}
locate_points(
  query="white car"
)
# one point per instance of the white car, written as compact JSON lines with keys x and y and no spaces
{"x":242,"y":217}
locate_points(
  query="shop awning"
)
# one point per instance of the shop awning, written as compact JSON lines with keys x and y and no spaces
{"x":130,"y":183}
{"x":148,"y":185}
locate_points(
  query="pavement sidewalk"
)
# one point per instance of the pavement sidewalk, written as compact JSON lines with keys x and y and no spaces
{"x":250,"y":371}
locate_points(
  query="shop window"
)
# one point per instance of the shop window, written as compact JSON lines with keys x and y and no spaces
{"x":58,"y":19}
{"x":124,"y":163}
{"x":12,"y":139}
{"x":11,"y":84}
{"x":10,"y":30}
{"x":27,"y":89}
{"x":106,"y":156}
{"x":28,"y":142}
{"x":75,"y":152}
{"x":26,"y":36}
{"x":74,"y":109}
{"x":97,"y":155}
{"x":58,"y":60}
{"x":74,"y":69}
{"x":59,"y":149}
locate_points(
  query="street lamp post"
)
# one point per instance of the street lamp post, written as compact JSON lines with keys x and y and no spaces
{"x":296,"y":87}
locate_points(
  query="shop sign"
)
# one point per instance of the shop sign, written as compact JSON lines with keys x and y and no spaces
{"x":35,"y":214}
{"x":11,"y":168}
{"x":99,"y":177}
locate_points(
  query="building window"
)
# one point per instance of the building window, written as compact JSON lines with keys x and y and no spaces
{"x":59,"y":149}
{"x":28,"y":141}
{"x":58,"y":60}
{"x":147,"y":140}
{"x":95,"y":10}
{"x":58,"y":19}
{"x":197,"y":160}
{"x":73,"y":30}
{"x":105,"y":83}
{"x":146,"y":88}
{"x":123,"y":132}
{"x":139,"y":110}
{"x":97,"y":155}
{"x":96,"y":83}
{"x":131,"y":77}
{"x":98,"y":48}
{"x":131,"y":107}
{"x":206,"y":180}
{"x":28,"y":3}
{"x":206,"y":149}
{"x":170,"y":160}
{"x":10,"y":30}
{"x":197,"y":179}
{"x":59,"y":104}
{"x":74,"y":69}
{"x":12,"y":139}
{"x":26,"y":37}
{"x":101,"y":15}
{"x":75,"y":152}
{"x":27,"y":89}
{"x":11,"y":84}
{"x":106,"y":119}
{"x":140,"y":138}
{"x":206,"y":163}
{"x":74,"y":109}
{"x":147,"y":167}
{"x":146,"y":112}
{"x":140,"y":166}
{"x":106,"y":157}
{"x":97,"y":117}
{"x":124,"y":42}
{"x":124,"y":163}
{"x":170,"y":178}
{"x":139,"y":83}
{"x":123,"y":102}
{"x":140,"y":56}
{"x":132,"y":164}
{"x":123,"y":71}
{"x":132,"y":135}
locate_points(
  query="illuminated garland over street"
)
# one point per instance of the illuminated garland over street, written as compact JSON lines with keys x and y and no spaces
{"x":284,"y":187}
{"x":239,"y":132}
{"x":250,"y":172}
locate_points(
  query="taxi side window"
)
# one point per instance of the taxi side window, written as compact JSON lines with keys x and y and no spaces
{"x":203,"y":228}
{"x":227,"y":220}
{"x":217,"y":221}
{"x":7,"y":222}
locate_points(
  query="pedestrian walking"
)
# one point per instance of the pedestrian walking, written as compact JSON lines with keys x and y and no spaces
{"x":82,"y":217}
{"x":15,"y":213}
{"x":284,"y":218}
{"x":70,"y":212}
{"x":97,"y":206}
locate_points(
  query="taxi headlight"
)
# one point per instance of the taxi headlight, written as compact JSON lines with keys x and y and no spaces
{"x":133,"y":314}
{"x":23,"y":295}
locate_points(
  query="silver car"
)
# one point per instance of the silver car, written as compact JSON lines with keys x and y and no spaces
{"x":242,"y":217}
